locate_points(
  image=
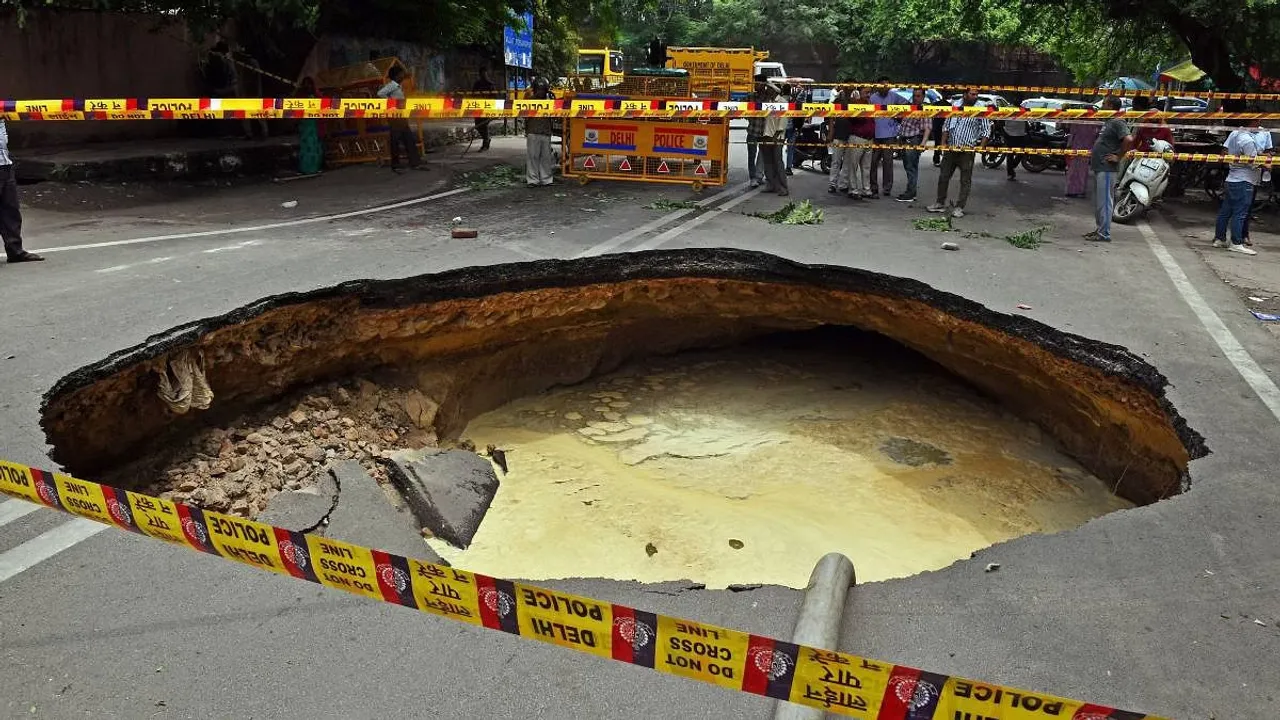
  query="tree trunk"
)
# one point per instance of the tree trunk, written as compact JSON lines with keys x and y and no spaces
{"x":1209,"y":51}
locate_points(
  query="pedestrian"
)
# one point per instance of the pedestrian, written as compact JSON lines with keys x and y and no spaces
{"x":773,"y":141}
{"x":755,"y":133}
{"x":838,"y":131}
{"x":483,"y":85}
{"x":1266,"y":146}
{"x":1015,"y":137}
{"x":913,"y":131}
{"x":310,"y":151}
{"x":794,"y":95}
{"x":858,"y":159}
{"x":936,"y":135}
{"x":401,"y":136}
{"x":970,"y":133}
{"x":886,"y":133}
{"x":1113,"y":142}
{"x":249,"y":85}
{"x":1082,"y":136}
{"x":10,"y":208}
{"x":1237,"y":198}
{"x":539,"y":161}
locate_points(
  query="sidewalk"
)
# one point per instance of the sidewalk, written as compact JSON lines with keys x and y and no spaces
{"x":188,"y":158}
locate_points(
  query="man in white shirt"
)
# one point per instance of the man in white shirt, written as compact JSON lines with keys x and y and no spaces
{"x":1242,"y":179}
{"x":1265,"y":147}
{"x":402,"y":136}
{"x":10,"y":209}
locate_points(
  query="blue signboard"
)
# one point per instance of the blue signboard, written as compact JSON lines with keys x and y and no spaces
{"x":517,"y":45}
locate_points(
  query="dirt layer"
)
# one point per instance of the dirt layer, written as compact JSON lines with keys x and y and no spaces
{"x":471,"y":340}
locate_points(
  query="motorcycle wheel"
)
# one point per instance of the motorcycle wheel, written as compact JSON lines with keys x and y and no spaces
{"x":1127,"y":208}
{"x":991,"y":161}
{"x":826,"y":165}
{"x":1035,"y":163}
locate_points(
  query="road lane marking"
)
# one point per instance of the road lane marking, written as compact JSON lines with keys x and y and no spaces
{"x":634,"y":233}
{"x":15,"y":509}
{"x":688,"y":225}
{"x":1244,"y":363}
{"x":46,"y":545}
{"x":259,"y":228}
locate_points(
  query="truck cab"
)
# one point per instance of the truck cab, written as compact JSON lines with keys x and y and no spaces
{"x":601,"y":64}
{"x":770,"y":69}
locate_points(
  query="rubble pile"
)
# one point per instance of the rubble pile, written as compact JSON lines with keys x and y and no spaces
{"x":238,"y":468}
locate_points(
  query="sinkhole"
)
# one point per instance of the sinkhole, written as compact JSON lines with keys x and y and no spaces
{"x":721,"y":416}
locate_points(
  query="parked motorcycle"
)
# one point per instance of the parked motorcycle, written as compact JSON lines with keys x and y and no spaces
{"x":1142,"y":185}
{"x":1038,"y":136}
{"x":812,"y":147}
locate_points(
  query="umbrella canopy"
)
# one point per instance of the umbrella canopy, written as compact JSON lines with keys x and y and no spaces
{"x":1125,"y":82}
{"x":1185,"y":71}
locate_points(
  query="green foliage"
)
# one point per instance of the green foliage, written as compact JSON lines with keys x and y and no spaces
{"x":803,"y":213}
{"x":939,"y":224}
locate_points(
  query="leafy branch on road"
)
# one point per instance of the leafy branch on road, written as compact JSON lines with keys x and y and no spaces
{"x":496,"y":177}
{"x":665,"y":204}
{"x":1025,"y":240}
{"x":942,"y":224}
{"x":793,"y":214}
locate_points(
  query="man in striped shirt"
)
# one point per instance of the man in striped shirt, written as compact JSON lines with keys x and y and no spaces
{"x":10,"y":210}
{"x":970,"y":133}
{"x":913,"y":131}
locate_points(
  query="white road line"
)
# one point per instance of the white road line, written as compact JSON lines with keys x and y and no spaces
{"x":11,"y":510}
{"x":695,"y":222}
{"x":628,"y":236}
{"x":258,"y":228}
{"x":1244,"y":363}
{"x":46,"y":545}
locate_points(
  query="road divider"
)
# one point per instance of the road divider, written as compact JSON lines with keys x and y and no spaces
{"x":832,"y":681}
{"x":447,"y":108}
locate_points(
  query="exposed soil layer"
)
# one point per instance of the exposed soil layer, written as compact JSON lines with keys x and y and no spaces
{"x":474,"y":339}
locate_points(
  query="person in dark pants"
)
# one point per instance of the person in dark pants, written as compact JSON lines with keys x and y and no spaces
{"x":483,"y":85}
{"x":401,"y":134}
{"x":10,"y":209}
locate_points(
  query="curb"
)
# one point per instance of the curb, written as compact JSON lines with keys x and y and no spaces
{"x":819,"y":623}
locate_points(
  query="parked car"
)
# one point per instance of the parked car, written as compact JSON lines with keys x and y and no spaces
{"x":1056,"y":104}
{"x":984,"y":100}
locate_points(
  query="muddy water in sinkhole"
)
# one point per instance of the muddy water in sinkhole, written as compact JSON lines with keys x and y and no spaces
{"x":745,"y":465}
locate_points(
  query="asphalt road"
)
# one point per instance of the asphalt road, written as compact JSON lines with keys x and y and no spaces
{"x":1171,"y":608}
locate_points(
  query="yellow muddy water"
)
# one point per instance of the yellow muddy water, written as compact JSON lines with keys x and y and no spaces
{"x":746,"y":465}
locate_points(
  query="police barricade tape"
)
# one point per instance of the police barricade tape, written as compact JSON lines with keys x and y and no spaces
{"x":1259,"y":160}
{"x":468,"y":108}
{"x":1055,"y":90}
{"x":832,"y":681}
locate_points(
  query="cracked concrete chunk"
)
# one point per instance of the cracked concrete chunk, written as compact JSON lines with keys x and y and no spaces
{"x":448,"y":491}
{"x":304,"y":509}
{"x":365,"y":516}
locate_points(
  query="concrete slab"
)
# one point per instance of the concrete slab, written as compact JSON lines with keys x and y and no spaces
{"x":365,"y":516}
{"x":302,"y":510}
{"x":448,"y":491}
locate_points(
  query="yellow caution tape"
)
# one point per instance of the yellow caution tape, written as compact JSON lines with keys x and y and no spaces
{"x":453,"y":107}
{"x":1259,"y":160}
{"x":1056,"y":90}
{"x":832,"y":681}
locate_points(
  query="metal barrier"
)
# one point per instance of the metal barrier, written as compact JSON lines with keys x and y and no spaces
{"x":693,"y":153}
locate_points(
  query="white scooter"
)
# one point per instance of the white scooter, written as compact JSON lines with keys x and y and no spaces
{"x":1143,"y":184}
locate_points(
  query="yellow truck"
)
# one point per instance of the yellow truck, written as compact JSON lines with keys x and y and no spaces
{"x":598,"y":68}
{"x":722,"y":72}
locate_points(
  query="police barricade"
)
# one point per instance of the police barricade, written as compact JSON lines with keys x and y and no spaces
{"x":673,"y":151}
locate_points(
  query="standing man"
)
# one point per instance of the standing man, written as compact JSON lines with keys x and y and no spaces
{"x":771,"y":148}
{"x":913,"y":131}
{"x":483,"y":85}
{"x":1262,"y":137}
{"x":1237,"y":200}
{"x":839,"y":129}
{"x":755,"y":132}
{"x":971,"y":133}
{"x":539,"y":163}
{"x":1113,"y":142}
{"x":1015,"y":136}
{"x":401,"y":134}
{"x":886,"y":134}
{"x":10,"y":210}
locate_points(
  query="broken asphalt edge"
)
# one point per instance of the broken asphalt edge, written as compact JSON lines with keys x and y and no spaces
{"x":697,"y":263}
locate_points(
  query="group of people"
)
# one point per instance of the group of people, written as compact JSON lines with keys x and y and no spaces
{"x":861,"y":170}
